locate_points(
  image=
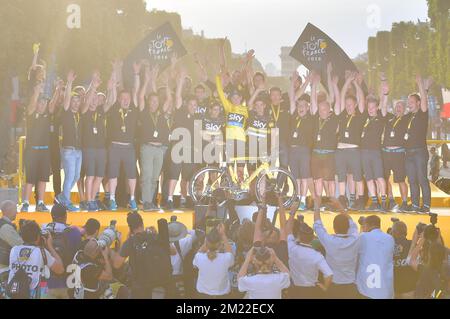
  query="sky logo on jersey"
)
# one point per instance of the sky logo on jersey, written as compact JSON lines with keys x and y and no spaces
{"x":235,"y":119}
{"x":259,"y":124}
{"x":200,"y":110}
{"x":212,"y":127}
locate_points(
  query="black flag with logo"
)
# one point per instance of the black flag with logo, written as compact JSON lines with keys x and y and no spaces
{"x":314,"y":49}
{"x":158,"y":47}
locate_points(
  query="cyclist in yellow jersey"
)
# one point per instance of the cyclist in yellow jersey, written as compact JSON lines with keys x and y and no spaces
{"x":236,"y":121}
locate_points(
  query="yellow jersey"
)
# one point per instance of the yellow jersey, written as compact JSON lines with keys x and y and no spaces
{"x":236,"y":116}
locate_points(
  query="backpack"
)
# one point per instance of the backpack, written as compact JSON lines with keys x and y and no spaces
{"x":189,"y":273}
{"x":19,"y":286}
{"x":61,"y":244}
{"x":150,"y":262}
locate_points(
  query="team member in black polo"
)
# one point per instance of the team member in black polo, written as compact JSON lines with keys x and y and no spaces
{"x":93,"y":140}
{"x":154,"y":124}
{"x":71,"y":154}
{"x":416,"y":147}
{"x":121,"y":122}
{"x":213,"y":134}
{"x":258,"y":132}
{"x":348,"y":154}
{"x":301,"y":142}
{"x":37,"y":155}
{"x":325,"y":142}
{"x":394,"y":155}
{"x":372,"y":161}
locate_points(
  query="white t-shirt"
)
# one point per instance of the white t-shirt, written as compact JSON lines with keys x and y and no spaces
{"x":213,"y":276}
{"x":264,"y":286}
{"x":185,"y":247}
{"x":305,"y":264}
{"x":30,"y":258}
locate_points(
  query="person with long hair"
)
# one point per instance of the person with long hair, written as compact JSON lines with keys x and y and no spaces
{"x":213,"y":260}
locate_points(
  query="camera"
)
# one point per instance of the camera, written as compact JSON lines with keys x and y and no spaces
{"x":109,"y":235}
{"x":433,"y":218}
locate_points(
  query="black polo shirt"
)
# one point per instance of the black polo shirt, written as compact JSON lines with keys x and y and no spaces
{"x":395,"y":130}
{"x":259,"y":126}
{"x":302,"y":130}
{"x":183,"y":119}
{"x":122,"y":124}
{"x":71,"y":128}
{"x":214,"y":127}
{"x":350,"y":127}
{"x":154,"y":127}
{"x":325,"y":132}
{"x":281,"y":118}
{"x":93,"y":129}
{"x":38,"y":129}
{"x":416,"y":130}
{"x":371,"y":136}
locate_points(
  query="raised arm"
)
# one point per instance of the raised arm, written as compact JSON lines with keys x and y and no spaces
{"x":68,"y":92}
{"x":244,"y":269}
{"x":258,"y":235}
{"x":111,"y":94}
{"x":143,"y":90}
{"x":348,"y":82}
{"x":384,"y":95}
{"x":292,"y":97}
{"x":222,"y":96}
{"x":302,"y":89}
{"x":169,"y":100}
{"x":360,"y":93}
{"x":222,"y":60}
{"x":424,"y":86}
{"x":38,"y":89}
{"x":137,"y":82}
{"x":314,"y":84}
{"x":331,"y":96}
{"x":337,"y":94}
{"x":180,"y":83}
{"x":56,"y":96}
{"x":253,"y":97}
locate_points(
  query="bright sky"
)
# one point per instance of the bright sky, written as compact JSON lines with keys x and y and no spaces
{"x":266,"y":25}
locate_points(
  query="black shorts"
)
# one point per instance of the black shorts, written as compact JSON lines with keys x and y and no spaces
{"x":37,"y":165}
{"x":94,"y":162}
{"x":372,"y":164}
{"x":186,"y":170}
{"x":300,"y":162}
{"x":121,"y":155}
{"x":395,"y":162}
{"x":323,"y":166}
{"x":348,"y":161}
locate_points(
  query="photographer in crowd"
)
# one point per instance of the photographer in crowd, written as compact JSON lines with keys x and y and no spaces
{"x":213,"y":261}
{"x":31,"y":263}
{"x":95,"y":272}
{"x":341,"y":254}
{"x":268,"y":276}
{"x":66,"y":240}
{"x":90,"y":231}
{"x":9,"y":237}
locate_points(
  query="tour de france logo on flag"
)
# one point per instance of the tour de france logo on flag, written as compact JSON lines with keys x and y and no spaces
{"x":161,"y":47}
{"x":314,"y":49}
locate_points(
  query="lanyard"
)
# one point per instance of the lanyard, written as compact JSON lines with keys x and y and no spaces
{"x":410,"y":121}
{"x":94,"y":117}
{"x":322,"y":125}
{"x":276,"y":115}
{"x":349,"y":121}
{"x":299,"y":122}
{"x":154,"y":118}
{"x":76,"y":118}
{"x":396,"y":122}
{"x":122,"y":115}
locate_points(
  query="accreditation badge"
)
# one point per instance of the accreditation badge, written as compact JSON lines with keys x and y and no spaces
{"x":363,"y":134}
{"x":347,"y":134}
{"x":94,"y":130}
{"x":392,"y":134}
{"x":155,"y":134}
{"x":295,"y":135}
{"x":319,"y":138}
{"x":52,"y":128}
{"x":406,"y":136}
{"x":124,"y":129}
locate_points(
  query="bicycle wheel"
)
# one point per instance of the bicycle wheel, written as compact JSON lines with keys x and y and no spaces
{"x":206,"y":184}
{"x":276,"y":180}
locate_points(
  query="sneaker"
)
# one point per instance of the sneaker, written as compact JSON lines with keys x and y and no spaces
{"x":302,"y":207}
{"x":343,"y":201}
{"x":392,"y":205}
{"x":100,"y":205}
{"x":170,"y":205}
{"x":384,"y":207}
{"x":150,"y":207}
{"x":112,"y":205}
{"x":60,"y":199}
{"x":403,"y":208}
{"x":84,"y":206}
{"x":92,"y":206}
{"x":41,"y":208}
{"x":133,"y":206}
{"x":424,"y":210}
{"x":374,"y":207}
{"x":72,"y":208}
{"x":25,"y":207}
{"x":412,"y":209}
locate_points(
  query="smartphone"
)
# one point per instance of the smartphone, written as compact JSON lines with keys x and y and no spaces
{"x":212,"y":222}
